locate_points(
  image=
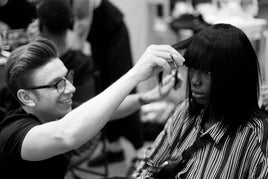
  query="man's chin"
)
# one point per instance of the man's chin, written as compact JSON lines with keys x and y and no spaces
{"x":63,"y":113}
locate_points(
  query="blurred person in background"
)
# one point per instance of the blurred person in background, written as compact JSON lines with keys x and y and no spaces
{"x":101,"y":24}
{"x":16,"y":14}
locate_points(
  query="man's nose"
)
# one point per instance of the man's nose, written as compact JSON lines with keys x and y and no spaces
{"x":70,"y":87}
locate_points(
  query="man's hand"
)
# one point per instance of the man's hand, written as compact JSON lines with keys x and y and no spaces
{"x":155,"y":59}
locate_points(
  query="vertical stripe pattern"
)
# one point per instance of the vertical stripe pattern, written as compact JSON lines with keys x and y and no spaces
{"x":241,"y":156}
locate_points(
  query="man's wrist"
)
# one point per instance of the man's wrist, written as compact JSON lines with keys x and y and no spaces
{"x":142,"y":100}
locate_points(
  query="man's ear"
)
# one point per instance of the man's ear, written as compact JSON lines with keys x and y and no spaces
{"x":26,"y":97}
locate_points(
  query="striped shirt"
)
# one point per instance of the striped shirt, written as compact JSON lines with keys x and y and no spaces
{"x":243,"y":155}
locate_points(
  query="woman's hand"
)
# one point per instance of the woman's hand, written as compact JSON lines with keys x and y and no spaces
{"x":160,"y":92}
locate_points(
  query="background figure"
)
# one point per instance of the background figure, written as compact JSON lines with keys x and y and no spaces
{"x":14,"y":20}
{"x":110,"y":48}
{"x":16,"y":14}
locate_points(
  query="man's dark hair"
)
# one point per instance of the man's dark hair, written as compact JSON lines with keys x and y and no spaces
{"x":226,"y":52}
{"x":54,"y":15}
{"x":24,"y":60}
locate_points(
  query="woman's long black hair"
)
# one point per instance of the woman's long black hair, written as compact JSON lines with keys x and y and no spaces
{"x":227,"y":53}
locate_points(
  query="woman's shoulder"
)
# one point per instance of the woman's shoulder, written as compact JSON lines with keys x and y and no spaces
{"x":259,"y":128}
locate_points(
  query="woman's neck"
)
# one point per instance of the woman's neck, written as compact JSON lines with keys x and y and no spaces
{"x":209,"y":119}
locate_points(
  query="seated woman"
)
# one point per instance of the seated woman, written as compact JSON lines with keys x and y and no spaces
{"x":219,"y":131}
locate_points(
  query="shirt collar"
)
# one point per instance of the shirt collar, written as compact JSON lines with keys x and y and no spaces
{"x":216,"y":132}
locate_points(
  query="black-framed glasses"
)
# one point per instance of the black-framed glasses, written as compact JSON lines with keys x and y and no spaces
{"x":59,"y":85}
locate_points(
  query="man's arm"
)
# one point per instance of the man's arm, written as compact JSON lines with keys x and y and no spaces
{"x":81,"y":124}
{"x":134,"y":101}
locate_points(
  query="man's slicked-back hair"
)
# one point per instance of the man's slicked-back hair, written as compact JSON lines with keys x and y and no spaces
{"x":25,"y":59}
{"x":226,"y":52}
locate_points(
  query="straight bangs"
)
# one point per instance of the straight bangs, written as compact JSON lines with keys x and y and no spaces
{"x":199,"y":54}
{"x":225,"y":52}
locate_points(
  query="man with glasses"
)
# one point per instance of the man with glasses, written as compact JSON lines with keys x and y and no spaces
{"x":35,"y":138}
{"x":60,"y":85}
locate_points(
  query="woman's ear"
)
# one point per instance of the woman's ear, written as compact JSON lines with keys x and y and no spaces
{"x":26,"y":97}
